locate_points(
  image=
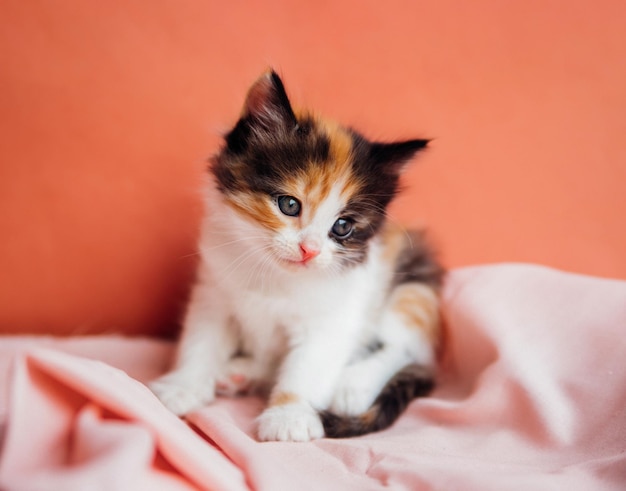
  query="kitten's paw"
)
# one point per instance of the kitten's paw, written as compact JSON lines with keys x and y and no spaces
{"x":238,"y":377}
{"x":181,"y":398}
{"x":353,"y":396}
{"x":295,"y":422}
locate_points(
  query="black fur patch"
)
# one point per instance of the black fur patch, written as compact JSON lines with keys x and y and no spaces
{"x":260,"y":161}
{"x":418,"y":263}
{"x":376,"y":167}
{"x":409,"y":383}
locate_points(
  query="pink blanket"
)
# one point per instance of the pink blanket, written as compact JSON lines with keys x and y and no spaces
{"x":532,"y":396}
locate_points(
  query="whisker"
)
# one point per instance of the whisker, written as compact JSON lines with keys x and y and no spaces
{"x":239,"y":261}
{"x":197,"y":253}
{"x":230,"y":242}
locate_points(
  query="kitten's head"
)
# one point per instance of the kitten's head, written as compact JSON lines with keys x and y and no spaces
{"x":317,"y":192}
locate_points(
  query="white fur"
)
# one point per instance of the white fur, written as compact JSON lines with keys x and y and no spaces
{"x":301,"y":326}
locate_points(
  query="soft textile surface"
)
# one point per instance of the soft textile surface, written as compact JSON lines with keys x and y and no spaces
{"x":532,"y":396}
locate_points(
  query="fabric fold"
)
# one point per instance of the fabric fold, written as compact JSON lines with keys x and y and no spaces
{"x":52,"y":434}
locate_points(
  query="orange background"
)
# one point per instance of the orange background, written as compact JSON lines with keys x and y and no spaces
{"x":109,"y":110}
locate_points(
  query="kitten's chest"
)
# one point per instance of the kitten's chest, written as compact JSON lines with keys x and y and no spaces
{"x":287,"y":304}
{"x":268,"y":320}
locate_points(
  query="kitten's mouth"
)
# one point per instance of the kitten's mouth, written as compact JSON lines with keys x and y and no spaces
{"x":299,"y":263}
{"x":296,"y":263}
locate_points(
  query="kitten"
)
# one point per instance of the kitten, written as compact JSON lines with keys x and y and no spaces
{"x":304,"y":288}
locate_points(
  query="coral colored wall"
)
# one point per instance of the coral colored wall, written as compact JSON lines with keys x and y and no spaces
{"x":108,"y":111}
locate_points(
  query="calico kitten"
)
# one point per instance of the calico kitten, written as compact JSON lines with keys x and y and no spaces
{"x":304,"y":287}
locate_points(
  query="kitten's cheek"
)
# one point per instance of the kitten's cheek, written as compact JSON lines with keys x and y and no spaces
{"x":324,"y":260}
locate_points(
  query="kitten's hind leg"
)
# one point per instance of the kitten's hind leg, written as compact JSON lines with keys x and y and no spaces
{"x":406,"y":334}
{"x":362,"y":381}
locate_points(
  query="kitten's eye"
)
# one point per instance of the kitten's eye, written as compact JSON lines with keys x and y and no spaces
{"x":289,"y":205}
{"x":342,"y":228}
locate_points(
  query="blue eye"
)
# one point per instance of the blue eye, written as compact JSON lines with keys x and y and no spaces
{"x":289,"y":205}
{"x":342,"y":228}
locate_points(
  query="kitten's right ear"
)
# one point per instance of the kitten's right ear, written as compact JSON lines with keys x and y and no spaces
{"x":394,"y":155}
{"x":267,"y":104}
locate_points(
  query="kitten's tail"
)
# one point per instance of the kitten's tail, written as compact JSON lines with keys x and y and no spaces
{"x":410,"y":382}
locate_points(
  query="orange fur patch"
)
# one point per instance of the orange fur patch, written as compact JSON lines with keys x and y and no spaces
{"x":340,"y":142}
{"x":341,"y":155}
{"x":368,"y":418}
{"x":257,"y":208}
{"x":419,"y":306}
{"x":394,"y":240}
{"x":283,"y":398}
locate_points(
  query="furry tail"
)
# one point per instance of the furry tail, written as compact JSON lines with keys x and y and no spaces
{"x":410,"y":382}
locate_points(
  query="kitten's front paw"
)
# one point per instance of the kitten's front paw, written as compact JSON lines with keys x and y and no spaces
{"x":181,"y":398}
{"x":295,"y":422}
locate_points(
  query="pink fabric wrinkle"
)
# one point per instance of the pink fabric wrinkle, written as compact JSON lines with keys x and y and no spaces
{"x":539,"y":412}
{"x":611,"y":468}
{"x":379,"y":472}
{"x":524,"y":357}
{"x":356,"y":455}
{"x":135,"y":424}
{"x":218,"y":422}
{"x":98,"y":445}
{"x":180,"y":445}
{"x":95,"y":437}
{"x":34,"y":394}
{"x":468,"y":351}
{"x":229,"y":423}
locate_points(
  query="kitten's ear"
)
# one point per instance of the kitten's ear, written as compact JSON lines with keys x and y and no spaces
{"x":267,"y":103}
{"x":395,"y":155}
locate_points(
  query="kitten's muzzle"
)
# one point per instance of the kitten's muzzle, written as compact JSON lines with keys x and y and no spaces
{"x":308,"y":251}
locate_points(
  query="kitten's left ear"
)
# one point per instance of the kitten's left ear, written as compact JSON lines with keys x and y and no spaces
{"x":267,"y":103}
{"x":395,"y":154}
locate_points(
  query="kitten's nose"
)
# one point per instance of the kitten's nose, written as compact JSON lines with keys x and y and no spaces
{"x":309,"y":251}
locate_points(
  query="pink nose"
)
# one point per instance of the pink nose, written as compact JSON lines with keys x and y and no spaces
{"x":308,"y":252}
